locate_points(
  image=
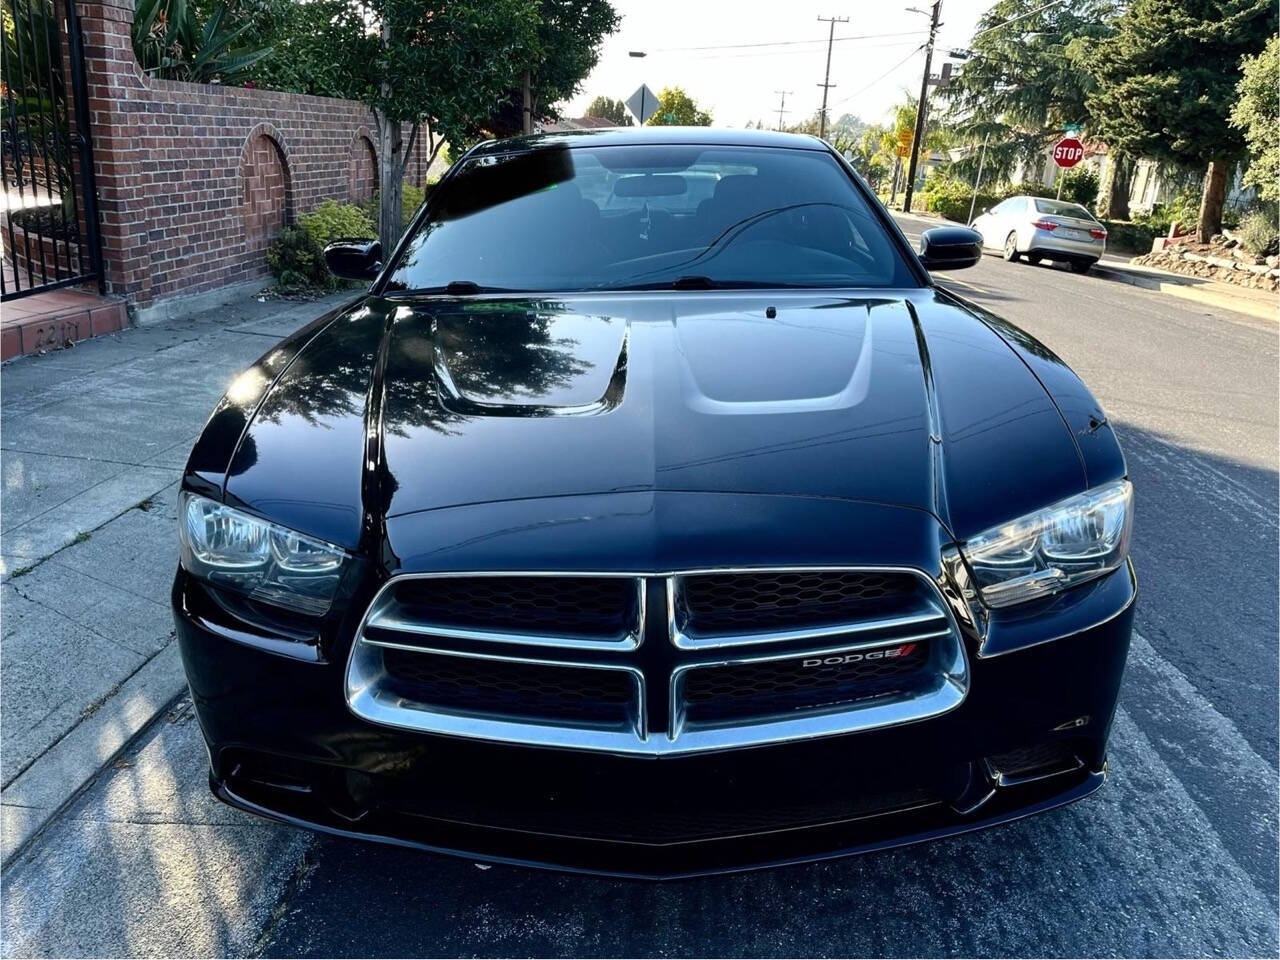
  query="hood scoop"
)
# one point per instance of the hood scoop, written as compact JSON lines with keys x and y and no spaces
{"x":493,"y":360}
{"x":799,"y":360}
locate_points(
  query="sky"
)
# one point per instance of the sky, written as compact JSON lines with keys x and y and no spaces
{"x":738,"y":83}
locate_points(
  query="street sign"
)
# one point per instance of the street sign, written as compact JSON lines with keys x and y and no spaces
{"x":1068,"y":152}
{"x":904,"y":151}
{"x":905,"y":136}
{"x":643,"y":104}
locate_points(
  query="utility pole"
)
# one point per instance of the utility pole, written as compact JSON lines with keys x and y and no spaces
{"x":782,"y":105}
{"x":920,"y":108}
{"x":826,"y":83}
{"x":982,"y":158}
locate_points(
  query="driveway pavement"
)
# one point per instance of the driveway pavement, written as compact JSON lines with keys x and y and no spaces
{"x":1175,"y":856}
{"x":92,"y":442}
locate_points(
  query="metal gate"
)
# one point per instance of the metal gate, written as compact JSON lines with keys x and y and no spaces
{"x":49,"y":228}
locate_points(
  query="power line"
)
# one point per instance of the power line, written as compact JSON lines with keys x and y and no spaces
{"x":790,"y":43}
{"x":826,"y":83}
{"x":784,"y":52}
{"x":868,"y":86}
{"x":1021,"y":16}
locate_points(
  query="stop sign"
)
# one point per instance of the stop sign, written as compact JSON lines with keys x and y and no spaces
{"x":1068,"y":152}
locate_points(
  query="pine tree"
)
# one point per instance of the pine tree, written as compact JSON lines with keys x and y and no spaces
{"x":1167,"y":82}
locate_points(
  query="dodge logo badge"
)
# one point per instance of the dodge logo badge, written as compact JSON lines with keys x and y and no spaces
{"x":843,"y":658}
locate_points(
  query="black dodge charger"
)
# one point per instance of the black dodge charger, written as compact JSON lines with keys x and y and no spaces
{"x":654,"y":514}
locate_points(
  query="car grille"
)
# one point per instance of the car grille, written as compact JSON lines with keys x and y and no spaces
{"x":761,"y":688}
{"x":510,"y":688}
{"x":724,"y":603}
{"x":747,"y":657}
{"x":579,"y":606}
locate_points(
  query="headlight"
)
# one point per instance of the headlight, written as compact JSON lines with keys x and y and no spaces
{"x":1062,"y":545}
{"x":231,"y":549}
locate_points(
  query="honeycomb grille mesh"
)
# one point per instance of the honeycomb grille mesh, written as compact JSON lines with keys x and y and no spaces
{"x":573,"y":606}
{"x":1026,"y":760}
{"x":746,"y":690}
{"x":740,"y":602}
{"x":520,"y":690}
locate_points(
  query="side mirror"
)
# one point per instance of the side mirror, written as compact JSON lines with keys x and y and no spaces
{"x":354,"y":259}
{"x":950,"y":248}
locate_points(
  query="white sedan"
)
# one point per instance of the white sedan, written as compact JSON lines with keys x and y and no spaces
{"x":1043,"y":229}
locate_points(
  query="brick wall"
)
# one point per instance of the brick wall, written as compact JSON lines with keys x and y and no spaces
{"x":194,"y":180}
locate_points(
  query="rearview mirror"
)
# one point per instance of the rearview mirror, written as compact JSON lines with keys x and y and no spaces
{"x":354,"y":259}
{"x":950,"y":248}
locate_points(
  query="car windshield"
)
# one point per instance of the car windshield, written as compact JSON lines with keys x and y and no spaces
{"x":650,"y":217}
{"x":1060,"y":209}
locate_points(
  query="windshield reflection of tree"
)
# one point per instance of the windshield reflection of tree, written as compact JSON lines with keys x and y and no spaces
{"x":494,"y":349}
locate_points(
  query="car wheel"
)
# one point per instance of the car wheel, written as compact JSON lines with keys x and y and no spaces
{"x":1082,"y":266}
{"x":1011,"y":248}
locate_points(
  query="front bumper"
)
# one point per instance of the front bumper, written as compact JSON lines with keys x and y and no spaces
{"x":283,"y":744}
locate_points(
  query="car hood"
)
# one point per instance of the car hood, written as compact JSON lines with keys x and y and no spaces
{"x":904,"y":398}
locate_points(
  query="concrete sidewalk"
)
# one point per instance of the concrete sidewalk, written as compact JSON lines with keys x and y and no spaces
{"x":92,"y":443}
{"x":1261,"y":304}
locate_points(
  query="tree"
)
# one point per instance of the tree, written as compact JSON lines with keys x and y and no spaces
{"x":1257,"y":114}
{"x":873,"y":154}
{"x":564,"y":52}
{"x":1026,"y":77}
{"x":177,"y":40}
{"x":677,"y":109}
{"x":436,"y":65}
{"x":1166,"y":82}
{"x":614,"y":111}
{"x":842,"y":133}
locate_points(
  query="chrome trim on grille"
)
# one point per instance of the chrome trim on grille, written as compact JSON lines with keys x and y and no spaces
{"x":369,"y":701}
{"x":946,"y":694}
{"x":1069,"y":765}
{"x":382,"y":616}
{"x":932,"y":610}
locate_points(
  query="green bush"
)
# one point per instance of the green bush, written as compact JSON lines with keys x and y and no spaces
{"x":1125,"y":236}
{"x":411,"y":198}
{"x":337,"y":221}
{"x":296,"y":260}
{"x":951,"y":198}
{"x":296,"y":256}
{"x":1080,"y":186}
{"x":1258,"y":232}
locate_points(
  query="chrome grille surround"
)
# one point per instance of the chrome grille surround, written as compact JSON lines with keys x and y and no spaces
{"x":931,"y":622}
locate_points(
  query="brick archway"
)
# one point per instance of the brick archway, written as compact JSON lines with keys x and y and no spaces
{"x":362,"y":167}
{"x":266,"y":194}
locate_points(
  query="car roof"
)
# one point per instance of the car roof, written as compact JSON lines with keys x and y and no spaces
{"x":654,"y":136}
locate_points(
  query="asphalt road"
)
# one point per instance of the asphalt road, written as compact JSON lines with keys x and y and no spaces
{"x":1176,"y":856}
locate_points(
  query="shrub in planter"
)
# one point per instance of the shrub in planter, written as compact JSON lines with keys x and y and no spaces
{"x":296,"y":259}
{"x":296,"y":256}
{"x":336,"y":221}
{"x":1258,"y":231}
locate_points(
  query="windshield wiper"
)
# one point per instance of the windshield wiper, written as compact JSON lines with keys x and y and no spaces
{"x":454,"y":288}
{"x":696,"y":281}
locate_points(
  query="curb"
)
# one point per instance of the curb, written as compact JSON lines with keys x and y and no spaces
{"x":1247,"y":306}
{"x":61,"y":773}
